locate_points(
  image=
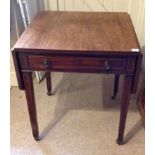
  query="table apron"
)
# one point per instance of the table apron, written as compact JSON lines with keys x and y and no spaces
{"x":104,"y":64}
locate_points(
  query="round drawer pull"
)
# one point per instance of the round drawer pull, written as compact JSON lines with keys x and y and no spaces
{"x":107,"y":65}
{"x":46,"y":63}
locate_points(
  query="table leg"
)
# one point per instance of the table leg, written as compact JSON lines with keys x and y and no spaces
{"x":116,"y":83}
{"x":124,"y":107}
{"x":49,"y":83}
{"x":29,"y":92}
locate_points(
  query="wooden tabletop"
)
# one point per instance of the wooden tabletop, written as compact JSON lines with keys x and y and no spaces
{"x":80,"y":31}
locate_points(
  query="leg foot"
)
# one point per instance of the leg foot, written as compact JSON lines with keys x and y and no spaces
{"x":37,"y":138}
{"x":120,"y":142}
{"x":113,"y":96}
{"x":49,"y":93}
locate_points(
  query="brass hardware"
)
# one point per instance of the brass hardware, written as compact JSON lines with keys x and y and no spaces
{"x":107,"y":65}
{"x":46,"y":63}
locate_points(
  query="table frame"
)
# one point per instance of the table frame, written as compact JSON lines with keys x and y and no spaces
{"x":25,"y":81}
{"x":83,"y":42}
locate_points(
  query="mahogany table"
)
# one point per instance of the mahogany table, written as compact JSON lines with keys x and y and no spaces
{"x":88,"y":42}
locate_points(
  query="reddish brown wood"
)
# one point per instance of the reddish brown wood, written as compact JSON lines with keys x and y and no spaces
{"x":49,"y":83}
{"x":82,"y":31}
{"x":18,"y":71}
{"x":137,"y":73}
{"x":116,"y":84}
{"x":29,"y":92}
{"x":58,"y":62}
{"x":97,"y":42}
{"x":124,"y":107}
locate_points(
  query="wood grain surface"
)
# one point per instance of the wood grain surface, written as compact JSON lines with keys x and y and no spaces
{"x":80,"y":31}
{"x":88,"y":42}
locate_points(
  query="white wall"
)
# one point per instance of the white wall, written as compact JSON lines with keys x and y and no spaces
{"x":17,"y":27}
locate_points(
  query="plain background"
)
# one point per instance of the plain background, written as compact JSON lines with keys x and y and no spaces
{"x":5,"y":76}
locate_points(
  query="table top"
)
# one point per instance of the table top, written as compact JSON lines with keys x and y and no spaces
{"x":80,"y":31}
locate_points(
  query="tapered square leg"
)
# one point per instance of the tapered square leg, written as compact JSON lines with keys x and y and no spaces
{"x":124,"y":108}
{"x":116,"y":84}
{"x":49,"y":83}
{"x":29,"y":92}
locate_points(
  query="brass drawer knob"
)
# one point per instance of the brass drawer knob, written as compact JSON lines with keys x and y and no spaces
{"x":107,"y":65}
{"x":46,"y":63}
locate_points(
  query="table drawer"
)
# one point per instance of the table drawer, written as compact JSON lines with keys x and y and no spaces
{"x":59,"y":62}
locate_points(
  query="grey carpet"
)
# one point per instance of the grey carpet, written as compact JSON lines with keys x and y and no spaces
{"x":78,"y":119}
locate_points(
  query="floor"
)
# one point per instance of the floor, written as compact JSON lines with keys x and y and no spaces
{"x":78,"y":119}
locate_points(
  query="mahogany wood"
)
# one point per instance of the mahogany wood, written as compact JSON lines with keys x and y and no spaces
{"x":137,"y":74}
{"x":49,"y":83}
{"x":116,"y":83}
{"x":82,"y":31}
{"x":88,"y":42}
{"x":124,"y":107}
{"x":29,"y":92}
{"x":68,"y":62}
{"x":18,"y":71}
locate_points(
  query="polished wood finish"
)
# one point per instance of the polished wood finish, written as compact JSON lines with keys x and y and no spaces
{"x":81,"y":31}
{"x":18,"y":72}
{"x":48,"y":83}
{"x":116,"y":84}
{"x":79,"y":42}
{"x":71,"y":63}
{"x":137,"y":74}
{"x":29,"y":92}
{"x":124,"y":107}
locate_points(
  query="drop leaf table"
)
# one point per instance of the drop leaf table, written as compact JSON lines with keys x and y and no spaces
{"x":84,"y":42}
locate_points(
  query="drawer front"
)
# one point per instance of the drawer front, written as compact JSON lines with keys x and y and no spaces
{"x":59,"y":62}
